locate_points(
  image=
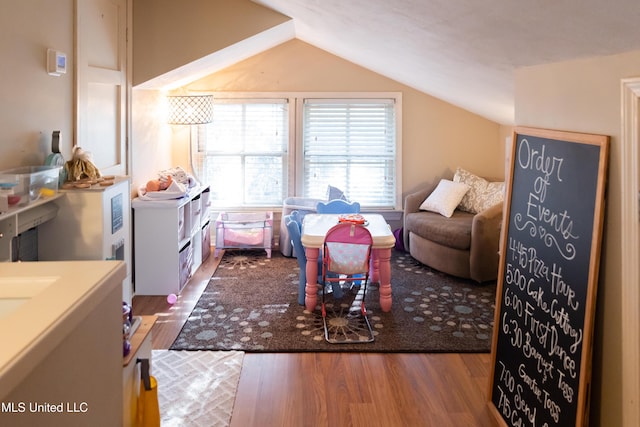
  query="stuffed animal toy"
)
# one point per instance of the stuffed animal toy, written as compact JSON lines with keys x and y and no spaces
{"x":80,"y":166}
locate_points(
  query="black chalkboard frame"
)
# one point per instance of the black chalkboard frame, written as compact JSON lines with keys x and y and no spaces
{"x":581,"y":404}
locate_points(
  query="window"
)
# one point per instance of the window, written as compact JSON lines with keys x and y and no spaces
{"x":350,"y":144}
{"x":260,"y":149}
{"x":243,"y":153}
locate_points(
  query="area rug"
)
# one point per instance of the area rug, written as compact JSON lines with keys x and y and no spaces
{"x":196,"y":388}
{"x":250,"y":304}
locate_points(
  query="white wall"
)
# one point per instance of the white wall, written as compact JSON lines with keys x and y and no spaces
{"x":584,"y":96}
{"x":151,"y":150}
{"x":34,"y":104}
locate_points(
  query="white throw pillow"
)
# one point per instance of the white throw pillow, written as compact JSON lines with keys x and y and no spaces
{"x":445,"y":198}
{"x":482,"y":193}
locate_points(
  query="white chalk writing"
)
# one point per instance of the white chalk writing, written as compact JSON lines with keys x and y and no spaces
{"x":541,"y":311}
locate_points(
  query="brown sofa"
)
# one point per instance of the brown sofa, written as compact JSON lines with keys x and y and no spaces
{"x":465,"y":245}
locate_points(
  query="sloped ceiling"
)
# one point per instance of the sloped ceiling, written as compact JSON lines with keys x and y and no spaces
{"x":175,"y":43}
{"x":461,"y":51}
{"x":464,"y":51}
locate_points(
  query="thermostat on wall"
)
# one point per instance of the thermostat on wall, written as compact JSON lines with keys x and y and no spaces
{"x":56,"y":62}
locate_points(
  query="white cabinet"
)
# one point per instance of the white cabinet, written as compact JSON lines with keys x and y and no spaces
{"x":169,"y":244}
{"x":92,"y":224}
{"x":63,"y":346}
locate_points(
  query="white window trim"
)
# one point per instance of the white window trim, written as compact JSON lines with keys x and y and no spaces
{"x":296,"y":102}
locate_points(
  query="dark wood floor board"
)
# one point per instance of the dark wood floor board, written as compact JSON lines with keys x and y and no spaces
{"x":340,"y":389}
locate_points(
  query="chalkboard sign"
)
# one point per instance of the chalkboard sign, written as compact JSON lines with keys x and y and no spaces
{"x":549,"y":260}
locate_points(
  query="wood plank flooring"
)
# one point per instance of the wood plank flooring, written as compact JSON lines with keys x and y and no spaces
{"x":340,"y":389}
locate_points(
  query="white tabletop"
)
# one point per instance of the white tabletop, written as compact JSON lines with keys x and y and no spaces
{"x":315,"y":227}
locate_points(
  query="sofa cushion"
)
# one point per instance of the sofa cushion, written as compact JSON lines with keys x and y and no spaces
{"x":454,"y":232}
{"x":482,"y":194}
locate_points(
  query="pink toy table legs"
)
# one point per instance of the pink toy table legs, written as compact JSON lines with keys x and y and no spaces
{"x":314,"y":230}
{"x":311,"y":290}
{"x":380,"y":273}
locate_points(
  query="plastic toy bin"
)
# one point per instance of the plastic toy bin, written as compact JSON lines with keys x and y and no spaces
{"x":243,"y":230}
{"x":31,"y":182}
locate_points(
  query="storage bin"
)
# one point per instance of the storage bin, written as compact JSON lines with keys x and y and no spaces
{"x":182,"y":223}
{"x":32,"y":182}
{"x":206,"y":241}
{"x":196,"y":210}
{"x":186,"y":264}
{"x":206,"y":205}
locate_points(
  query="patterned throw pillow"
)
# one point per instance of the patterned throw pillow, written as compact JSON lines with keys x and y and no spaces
{"x":445,"y":198}
{"x":482,"y":194}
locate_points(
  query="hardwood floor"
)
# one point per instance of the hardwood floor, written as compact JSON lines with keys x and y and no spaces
{"x":340,"y":389}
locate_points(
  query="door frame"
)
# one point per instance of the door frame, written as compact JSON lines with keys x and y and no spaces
{"x":630,"y":253}
{"x":117,"y":74}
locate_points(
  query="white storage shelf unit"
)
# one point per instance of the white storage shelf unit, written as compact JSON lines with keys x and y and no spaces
{"x":170,"y":241}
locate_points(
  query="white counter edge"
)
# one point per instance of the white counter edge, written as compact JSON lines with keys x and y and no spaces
{"x":40,"y":324}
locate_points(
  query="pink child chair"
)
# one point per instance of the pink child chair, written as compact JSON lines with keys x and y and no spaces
{"x":346,"y":253}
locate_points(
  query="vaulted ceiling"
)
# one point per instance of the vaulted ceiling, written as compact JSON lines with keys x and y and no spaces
{"x":464,"y":51}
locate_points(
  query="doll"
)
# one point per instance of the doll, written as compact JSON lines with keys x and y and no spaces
{"x":160,"y":184}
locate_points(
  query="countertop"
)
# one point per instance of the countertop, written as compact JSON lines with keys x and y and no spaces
{"x":40,"y":303}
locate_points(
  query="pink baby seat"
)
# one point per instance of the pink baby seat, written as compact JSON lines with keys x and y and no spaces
{"x":346,"y":252}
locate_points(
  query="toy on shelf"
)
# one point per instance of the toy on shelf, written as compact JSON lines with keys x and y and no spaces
{"x":352,"y":219}
{"x":173,"y":183}
{"x":159,"y":184}
{"x":80,"y":166}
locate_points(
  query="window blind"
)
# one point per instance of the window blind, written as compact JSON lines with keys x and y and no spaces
{"x":243,"y":153}
{"x":350,"y":144}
